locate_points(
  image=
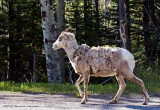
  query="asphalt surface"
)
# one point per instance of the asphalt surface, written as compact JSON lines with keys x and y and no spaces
{"x":36,"y":101}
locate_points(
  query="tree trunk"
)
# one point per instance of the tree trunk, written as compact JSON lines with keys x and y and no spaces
{"x":146,"y":28}
{"x":97,"y":19}
{"x":158,"y":22}
{"x":2,"y":4}
{"x":128,"y":39}
{"x":152,"y":11}
{"x":105,"y":12}
{"x":11,"y":47}
{"x":85,"y":19}
{"x":50,"y":36}
{"x":61,"y":27}
{"x":124,"y":24}
{"x":97,"y":13}
{"x":76,"y":16}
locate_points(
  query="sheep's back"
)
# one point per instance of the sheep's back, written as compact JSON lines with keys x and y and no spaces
{"x":100,"y":60}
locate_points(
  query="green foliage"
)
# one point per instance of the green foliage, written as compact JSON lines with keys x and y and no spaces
{"x":88,"y":23}
{"x":67,"y":88}
{"x":145,"y":69}
{"x":24,"y":28}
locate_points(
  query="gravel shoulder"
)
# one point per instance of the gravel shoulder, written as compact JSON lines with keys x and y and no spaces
{"x":36,"y":101}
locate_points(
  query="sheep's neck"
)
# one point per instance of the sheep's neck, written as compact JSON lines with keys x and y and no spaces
{"x":71,"y":49}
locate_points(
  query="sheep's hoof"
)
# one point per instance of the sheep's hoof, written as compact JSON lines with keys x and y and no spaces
{"x":83,"y":97}
{"x":145,"y":103}
{"x":83,"y":101}
{"x":113,"y":102}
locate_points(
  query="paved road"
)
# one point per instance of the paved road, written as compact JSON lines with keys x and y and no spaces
{"x":35,"y":101}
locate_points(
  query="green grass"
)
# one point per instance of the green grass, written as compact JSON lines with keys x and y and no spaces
{"x":67,"y":88}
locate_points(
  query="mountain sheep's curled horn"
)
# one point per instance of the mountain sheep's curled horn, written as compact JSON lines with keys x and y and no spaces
{"x":66,"y":30}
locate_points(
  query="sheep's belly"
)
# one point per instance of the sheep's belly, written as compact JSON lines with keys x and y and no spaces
{"x":100,"y":74}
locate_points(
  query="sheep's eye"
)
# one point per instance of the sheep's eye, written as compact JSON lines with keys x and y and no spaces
{"x":60,"y":39}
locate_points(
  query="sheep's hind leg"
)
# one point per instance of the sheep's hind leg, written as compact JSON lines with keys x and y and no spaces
{"x":140,"y":83}
{"x":122,"y":86}
{"x":80,"y":79}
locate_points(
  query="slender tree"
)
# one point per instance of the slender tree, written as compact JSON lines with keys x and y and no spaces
{"x":2,"y":4}
{"x":85,"y":19}
{"x":50,"y":35}
{"x":97,"y":13}
{"x":147,"y":40}
{"x":11,"y":48}
{"x":60,"y":28}
{"x":124,"y":24}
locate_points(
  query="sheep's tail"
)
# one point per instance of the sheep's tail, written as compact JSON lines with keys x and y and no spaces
{"x":131,"y":64}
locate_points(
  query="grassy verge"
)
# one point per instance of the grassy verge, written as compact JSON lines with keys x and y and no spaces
{"x":67,"y":88}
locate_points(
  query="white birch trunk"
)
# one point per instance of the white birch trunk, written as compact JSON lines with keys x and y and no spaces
{"x":49,"y":36}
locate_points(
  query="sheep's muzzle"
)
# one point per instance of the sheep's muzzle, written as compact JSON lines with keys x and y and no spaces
{"x":55,"y":47}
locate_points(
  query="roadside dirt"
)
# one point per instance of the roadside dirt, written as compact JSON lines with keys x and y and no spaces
{"x":36,"y":101}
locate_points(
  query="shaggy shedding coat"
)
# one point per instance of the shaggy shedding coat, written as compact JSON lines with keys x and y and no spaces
{"x":99,"y":62}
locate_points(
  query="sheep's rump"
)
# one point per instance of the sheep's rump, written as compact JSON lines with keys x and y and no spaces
{"x":101,"y":60}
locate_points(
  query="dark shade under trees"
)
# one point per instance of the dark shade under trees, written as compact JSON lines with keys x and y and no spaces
{"x":95,"y":22}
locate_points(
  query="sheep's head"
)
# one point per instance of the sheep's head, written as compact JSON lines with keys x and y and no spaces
{"x":63,"y":40}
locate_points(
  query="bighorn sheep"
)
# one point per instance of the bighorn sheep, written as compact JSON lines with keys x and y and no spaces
{"x":99,"y":62}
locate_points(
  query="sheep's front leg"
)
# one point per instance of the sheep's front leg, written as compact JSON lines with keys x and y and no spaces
{"x":122,"y":86}
{"x":80,"y":79}
{"x":86,"y":80}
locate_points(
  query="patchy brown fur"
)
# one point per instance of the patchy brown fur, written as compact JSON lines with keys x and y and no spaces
{"x":100,"y":62}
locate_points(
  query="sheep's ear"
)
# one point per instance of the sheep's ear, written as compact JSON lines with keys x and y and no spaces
{"x":62,"y":32}
{"x":68,"y":36}
{"x":65,"y":36}
{"x":73,"y":36}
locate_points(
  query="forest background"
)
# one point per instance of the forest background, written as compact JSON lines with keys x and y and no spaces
{"x":94,"y":22}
